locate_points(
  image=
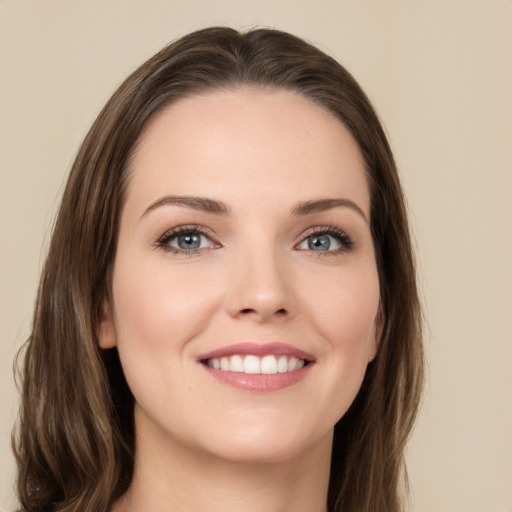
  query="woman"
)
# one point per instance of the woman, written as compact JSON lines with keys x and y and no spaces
{"x":228,"y":316}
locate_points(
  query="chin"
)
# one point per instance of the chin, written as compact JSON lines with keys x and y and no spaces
{"x":265,"y":445}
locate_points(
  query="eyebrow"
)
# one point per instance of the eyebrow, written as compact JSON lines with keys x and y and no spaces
{"x":195,"y":203}
{"x":218,"y":207}
{"x":321,"y":205}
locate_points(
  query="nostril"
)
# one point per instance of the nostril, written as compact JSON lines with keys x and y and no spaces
{"x":247,"y":311}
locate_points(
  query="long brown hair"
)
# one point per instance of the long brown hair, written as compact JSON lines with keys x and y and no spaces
{"x":75,"y":440}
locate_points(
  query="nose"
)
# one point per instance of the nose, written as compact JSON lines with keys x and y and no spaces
{"x":260,"y":287}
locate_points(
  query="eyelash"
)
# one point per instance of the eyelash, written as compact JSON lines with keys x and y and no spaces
{"x":163,"y":242}
{"x":344,"y":240}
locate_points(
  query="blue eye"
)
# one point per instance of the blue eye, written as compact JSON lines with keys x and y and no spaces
{"x":188,"y":241}
{"x":319,"y":242}
{"x":185,"y":240}
{"x":331,"y":240}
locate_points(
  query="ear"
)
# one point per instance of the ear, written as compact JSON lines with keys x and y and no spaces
{"x":378,"y":326}
{"x":106,"y":331}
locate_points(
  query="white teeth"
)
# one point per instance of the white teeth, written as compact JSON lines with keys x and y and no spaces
{"x":267,"y":365}
{"x":237,"y":364}
{"x":282,"y":364}
{"x":252,"y":364}
{"x":292,"y":363}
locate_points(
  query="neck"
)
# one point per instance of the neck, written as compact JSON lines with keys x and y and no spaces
{"x":175,"y":478}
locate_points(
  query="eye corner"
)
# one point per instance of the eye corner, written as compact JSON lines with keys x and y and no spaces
{"x":187,"y":240}
{"x":325,"y":240}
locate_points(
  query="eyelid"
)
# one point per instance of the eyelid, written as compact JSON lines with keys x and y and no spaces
{"x":341,"y":235}
{"x":162,"y":241}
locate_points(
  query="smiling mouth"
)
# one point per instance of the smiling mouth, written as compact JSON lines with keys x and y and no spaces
{"x":255,"y":365}
{"x":259,"y":367}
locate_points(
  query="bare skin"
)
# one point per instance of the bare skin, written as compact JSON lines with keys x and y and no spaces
{"x":246,"y":224}
{"x":193,"y":484}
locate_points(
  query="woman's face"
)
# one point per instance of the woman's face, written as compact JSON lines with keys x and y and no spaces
{"x":245,"y":295}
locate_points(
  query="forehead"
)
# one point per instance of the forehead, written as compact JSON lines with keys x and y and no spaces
{"x":250,"y":141}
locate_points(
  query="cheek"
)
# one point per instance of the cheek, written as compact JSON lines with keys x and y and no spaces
{"x":344,"y":314}
{"x":158,"y":310}
{"x":155,"y":306}
{"x":344,"y":307}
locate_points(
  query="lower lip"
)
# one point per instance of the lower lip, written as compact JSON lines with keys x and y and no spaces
{"x":261,"y":383}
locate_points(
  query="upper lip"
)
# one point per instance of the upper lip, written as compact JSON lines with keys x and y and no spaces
{"x":257,"y":349}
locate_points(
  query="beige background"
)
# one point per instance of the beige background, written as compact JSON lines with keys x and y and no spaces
{"x":439,"y":73}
